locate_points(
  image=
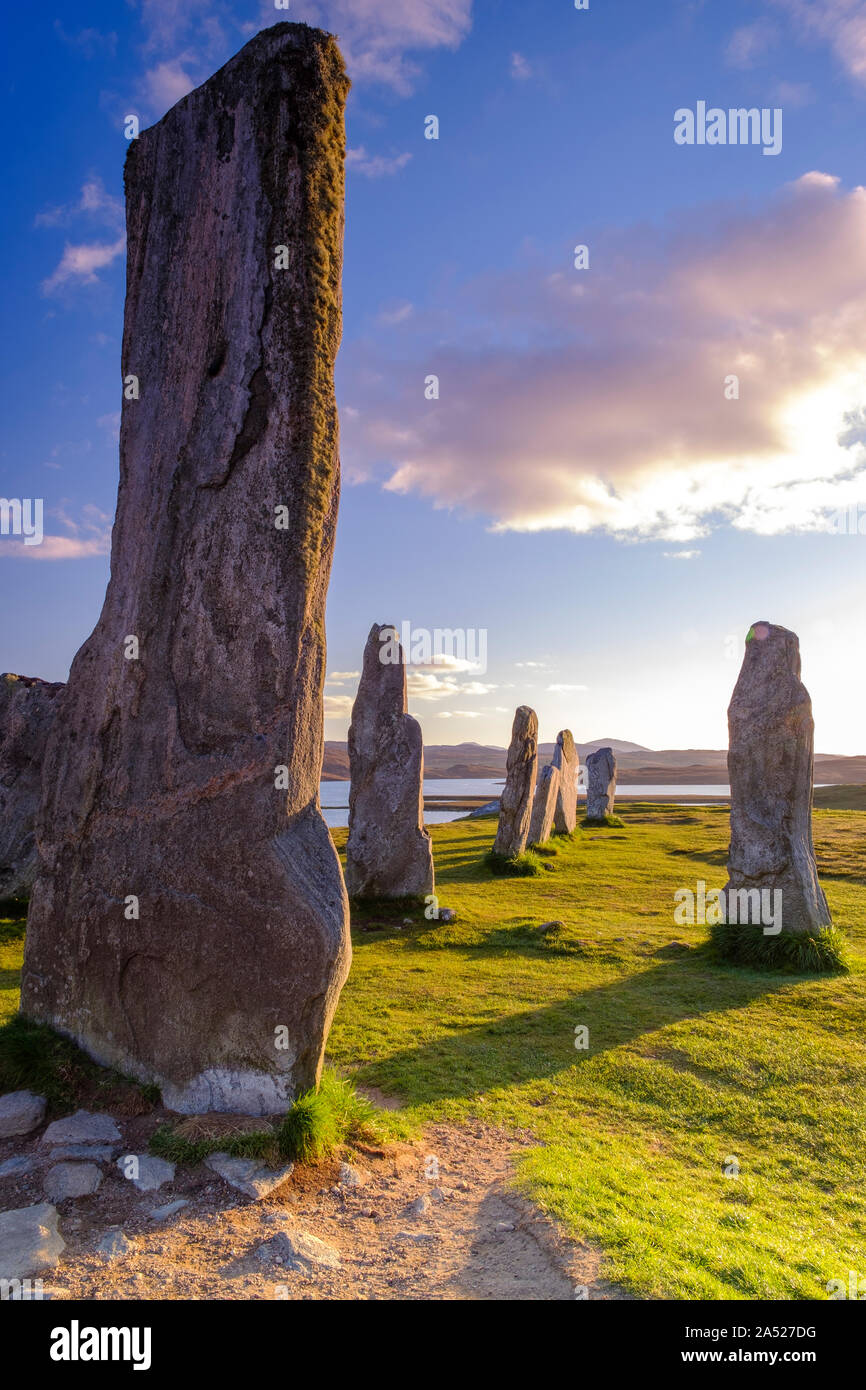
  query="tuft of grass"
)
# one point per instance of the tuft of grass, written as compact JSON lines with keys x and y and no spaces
{"x":318,"y":1123}
{"x":525,"y":865}
{"x":746,"y":944}
{"x":547,"y":850}
{"x":603,"y":822}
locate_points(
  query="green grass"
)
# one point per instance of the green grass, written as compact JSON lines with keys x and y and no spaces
{"x":747,"y":944}
{"x":526,"y":865}
{"x":690,"y":1061}
{"x":317,"y":1125}
{"x":602,"y":823}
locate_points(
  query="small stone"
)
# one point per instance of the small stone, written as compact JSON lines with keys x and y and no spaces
{"x":505,"y":1225}
{"x":114,"y":1245}
{"x":351,"y":1177}
{"x":407,"y":921}
{"x":20,"y":1112}
{"x":82,"y":1128}
{"x":71,"y":1180}
{"x":447,"y":914}
{"x":248,"y":1175}
{"x":29,"y":1241}
{"x":440,"y":1194}
{"x":163,"y":1213}
{"x":554,"y":926}
{"x":299,"y":1251}
{"x":420,"y":1207}
{"x":145,"y":1172}
{"x":417,"y":1236}
{"x":16,"y":1167}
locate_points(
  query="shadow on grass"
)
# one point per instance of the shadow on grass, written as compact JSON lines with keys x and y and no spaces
{"x":538,"y":1043}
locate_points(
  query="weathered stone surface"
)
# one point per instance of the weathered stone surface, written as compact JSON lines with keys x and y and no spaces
{"x":20,"y":1112}
{"x":114,"y":1245}
{"x":566,"y":759}
{"x":770,"y":764}
{"x":94,"y":1153}
{"x":168,"y":1210}
{"x":515,"y":804}
{"x":71,"y":1180}
{"x":248,"y":1175}
{"x":29,"y":1241}
{"x":17,"y":1166}
{"x":544,"y":805}
{"x":84,"y":1127}
{"x":298,"y":1251}
{"x":28,"y":707}
{"x":600,"y":783}
{"x":388,"y":852}
{"x":187,"y":776}
{"x":146,"y":1173}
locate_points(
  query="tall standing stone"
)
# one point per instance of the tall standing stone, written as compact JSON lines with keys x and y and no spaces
{"x":515,"y":805}
{"x":770,"y":764}
{"x":388,"y":852}
{"x":28,"y":707}
{"x":566,"y":759}
{"x":544,"y":805}
{"x":600,"y":783}
{"x":190,"y":923}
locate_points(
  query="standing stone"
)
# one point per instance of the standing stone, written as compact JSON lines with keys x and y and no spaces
{"x":770,"y":764}
{"x":27,"y":709}
{"x":600,"y":783}
{"x":544,"y":805}
{"x":388,"y":852}
{"x":566,"y":759}
{"x":515,"y":805}
{"x":189,"y":925}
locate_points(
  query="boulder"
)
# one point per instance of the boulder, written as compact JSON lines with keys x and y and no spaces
{"x":388,"y":852}
{"x":515,"y":804}
{"x":29,"y":1241}
{"x":20,"y":1112}
{"x":544,"y":805}
{"x":84,"y":1127}
{"x":770,"y":764}
{"x":567,"y":760}
{"x":190,"y":906}
{"x":28,"y":707}
{"x":114,"y":1245}
{"x":600,"y":783}
{"x":71,"y":1180}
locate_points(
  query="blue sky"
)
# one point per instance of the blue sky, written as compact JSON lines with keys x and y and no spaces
{"x":582,"y":489}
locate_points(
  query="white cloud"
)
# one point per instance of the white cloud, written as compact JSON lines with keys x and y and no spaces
{"x":680,"y":554}
{"x":344,"y":676}
{"x":563,"y":689}
{"x":80,"y":263}
{"x":460,"y":713}
{"x":375,"y":166}
{"x":521,"y":69}
{"x":338,"y":706}
{"x":167,"y":83}
{"x":607,"y":410}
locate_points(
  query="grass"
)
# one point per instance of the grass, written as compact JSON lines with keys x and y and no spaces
{"x":526,"y":865}
{"x":747,"y":944}
{"x":602,"y":823}
{"x":317,"y":1125}
{"x":690,"y":1061}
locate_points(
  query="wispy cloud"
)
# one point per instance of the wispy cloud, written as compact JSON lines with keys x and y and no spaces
{"x":338,"y":706}
{"x":564,"y":689}
{"x":86,"y":537}
{"x":521,"y":68}
{"x":81,"y":260}
{"x":91,"y":43}
{"x":375,"y":166}
{"x":680,"y":554}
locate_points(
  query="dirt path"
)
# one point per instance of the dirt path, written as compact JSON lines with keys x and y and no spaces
{"x":471,"y":1238}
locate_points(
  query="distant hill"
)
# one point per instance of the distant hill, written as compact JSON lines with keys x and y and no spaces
{"x":637,"y":765}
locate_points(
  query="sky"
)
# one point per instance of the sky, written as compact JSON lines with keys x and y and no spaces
{"x":629,"y":461}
